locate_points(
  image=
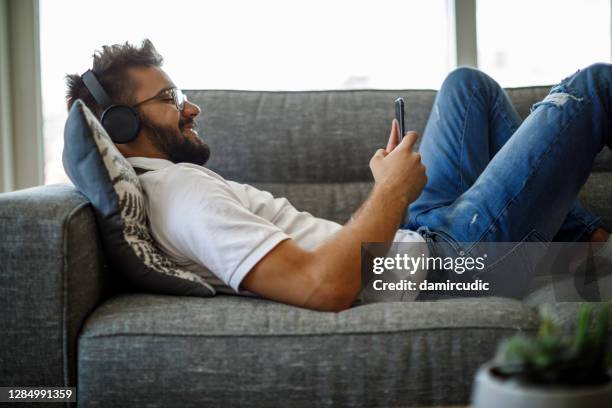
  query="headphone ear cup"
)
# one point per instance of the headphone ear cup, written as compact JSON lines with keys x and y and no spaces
{"x":121,"y":123}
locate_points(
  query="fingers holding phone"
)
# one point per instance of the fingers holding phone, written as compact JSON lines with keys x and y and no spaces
{"x":398,"y":127}
{"x":394,"y":138}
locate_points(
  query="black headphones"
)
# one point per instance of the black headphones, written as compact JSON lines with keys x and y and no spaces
{"x":120,"y":121}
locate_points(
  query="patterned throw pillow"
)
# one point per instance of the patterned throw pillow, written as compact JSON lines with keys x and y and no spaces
{"x":107,"y":179}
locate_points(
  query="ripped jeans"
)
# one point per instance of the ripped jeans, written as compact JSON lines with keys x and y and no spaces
{"x":493,"y":178}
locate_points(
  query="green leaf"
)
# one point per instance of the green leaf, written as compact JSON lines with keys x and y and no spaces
{"x":582,"y":327}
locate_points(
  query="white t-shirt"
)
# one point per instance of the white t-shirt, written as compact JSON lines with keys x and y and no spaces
{"x":220,"y":229}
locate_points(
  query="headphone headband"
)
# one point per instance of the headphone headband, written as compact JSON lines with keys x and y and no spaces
{"x":96,"y":89}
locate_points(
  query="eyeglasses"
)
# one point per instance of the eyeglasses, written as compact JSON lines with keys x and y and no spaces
{"x":171,"y":94}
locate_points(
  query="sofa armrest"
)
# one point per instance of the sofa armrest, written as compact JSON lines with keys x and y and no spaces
{"x":52,"y":275}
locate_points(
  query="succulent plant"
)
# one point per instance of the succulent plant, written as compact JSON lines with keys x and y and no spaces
{"x":555,"y":358}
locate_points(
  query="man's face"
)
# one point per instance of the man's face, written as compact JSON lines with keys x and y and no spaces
{"x":172,"y":132}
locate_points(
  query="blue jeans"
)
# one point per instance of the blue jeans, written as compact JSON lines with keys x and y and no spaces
{"x":492,"y":178}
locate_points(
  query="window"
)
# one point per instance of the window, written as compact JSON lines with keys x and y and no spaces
{"x":320,"y":44}
{"x":259,"y":45}
{"x":526,"y":42}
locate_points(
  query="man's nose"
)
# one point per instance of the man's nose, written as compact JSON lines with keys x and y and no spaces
{"x":191,"y":110}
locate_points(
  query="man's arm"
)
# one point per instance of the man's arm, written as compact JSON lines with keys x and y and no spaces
{"x":329,"y":277}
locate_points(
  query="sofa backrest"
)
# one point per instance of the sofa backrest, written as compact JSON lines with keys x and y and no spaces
{"x":314,"y":147}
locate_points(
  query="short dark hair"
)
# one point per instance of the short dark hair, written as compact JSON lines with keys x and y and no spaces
{"x":110,"y":65}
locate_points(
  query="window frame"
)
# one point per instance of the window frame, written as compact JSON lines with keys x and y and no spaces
{"x":21,"y":138}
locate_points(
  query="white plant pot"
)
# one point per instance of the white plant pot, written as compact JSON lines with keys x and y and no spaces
{"x":490,"y":391}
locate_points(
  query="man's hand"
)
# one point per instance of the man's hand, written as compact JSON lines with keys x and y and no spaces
{"x":397,"y":167}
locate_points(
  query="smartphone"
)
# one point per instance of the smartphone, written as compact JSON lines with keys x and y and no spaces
{"x":400,"y":116}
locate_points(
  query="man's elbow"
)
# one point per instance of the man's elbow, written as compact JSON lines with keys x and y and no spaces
{"x":333,"y":297}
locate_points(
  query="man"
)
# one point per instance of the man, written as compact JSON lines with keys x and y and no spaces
{"x":247,"y":241}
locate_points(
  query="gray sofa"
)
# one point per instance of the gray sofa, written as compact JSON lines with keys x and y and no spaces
{"x":67,"y":320}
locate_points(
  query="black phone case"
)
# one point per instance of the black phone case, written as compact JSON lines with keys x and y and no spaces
{"x":400,"y":115}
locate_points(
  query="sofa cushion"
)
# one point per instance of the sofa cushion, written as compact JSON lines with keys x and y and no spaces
{"x":102,"y":174}
{"x":140,"y":350}
{"x":301,"y":137}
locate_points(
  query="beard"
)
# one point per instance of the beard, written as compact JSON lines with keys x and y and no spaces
{"x":174,"y":144}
